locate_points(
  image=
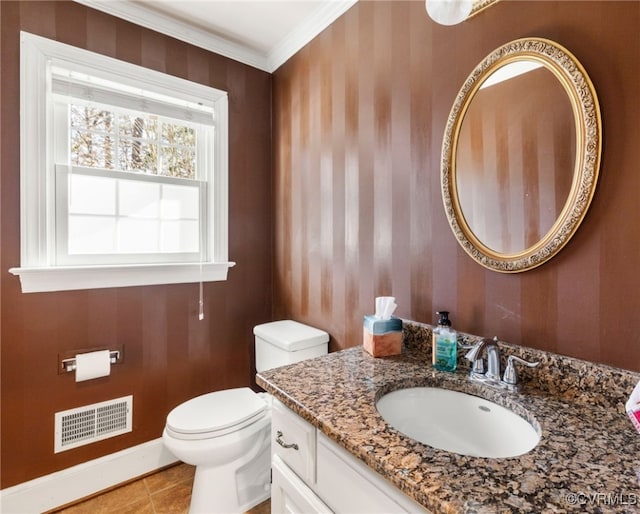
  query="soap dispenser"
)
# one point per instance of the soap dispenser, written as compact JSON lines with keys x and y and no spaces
{"x":445,"y":344}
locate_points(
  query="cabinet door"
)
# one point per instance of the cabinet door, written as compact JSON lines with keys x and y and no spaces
{"x":348,"y":485}
{"x":290,"y":495}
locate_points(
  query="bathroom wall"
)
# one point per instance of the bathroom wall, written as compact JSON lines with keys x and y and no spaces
{"x":359,"y":116}
{"x":169,"y":355}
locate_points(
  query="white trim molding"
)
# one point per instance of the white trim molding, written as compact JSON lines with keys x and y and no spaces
{"x":305,"y":32}
{"x":141,"y":15}
{"x":69,"y":278}
{"x":72,"y":484}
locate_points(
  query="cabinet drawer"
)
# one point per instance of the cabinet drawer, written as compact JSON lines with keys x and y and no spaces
{"x":294,"y":441}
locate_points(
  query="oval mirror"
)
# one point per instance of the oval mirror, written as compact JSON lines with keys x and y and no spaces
{"x":521,"y":155}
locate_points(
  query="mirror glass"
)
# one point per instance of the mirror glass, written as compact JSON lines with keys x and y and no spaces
{"x":514,"y":159}
{"x":521,"y":155}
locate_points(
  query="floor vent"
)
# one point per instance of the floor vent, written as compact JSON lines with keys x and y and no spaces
{"x":84,"y":425}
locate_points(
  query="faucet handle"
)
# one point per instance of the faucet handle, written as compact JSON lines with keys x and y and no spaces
{"x":474,"y":355}
{"x":510,"y":375}
{"x":478,"y":364}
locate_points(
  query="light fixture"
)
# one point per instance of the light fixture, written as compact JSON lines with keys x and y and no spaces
{"x":449,"y":12}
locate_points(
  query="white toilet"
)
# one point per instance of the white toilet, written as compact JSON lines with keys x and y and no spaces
{"x":226,"y":434}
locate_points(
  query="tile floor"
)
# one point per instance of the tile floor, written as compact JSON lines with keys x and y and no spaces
{"x":165,"y":492}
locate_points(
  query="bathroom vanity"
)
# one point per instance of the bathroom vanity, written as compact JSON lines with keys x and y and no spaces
{"x":348,"y":459}
{"x":311,"y":473}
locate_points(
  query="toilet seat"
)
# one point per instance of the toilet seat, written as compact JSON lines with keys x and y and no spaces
{"x":216,"y":414}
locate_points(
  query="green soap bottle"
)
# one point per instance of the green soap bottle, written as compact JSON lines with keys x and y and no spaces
{"x":445,"y":344}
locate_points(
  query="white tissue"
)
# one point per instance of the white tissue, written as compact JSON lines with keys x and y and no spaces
{"x":385,"y":305}
{"x":93,"y":365}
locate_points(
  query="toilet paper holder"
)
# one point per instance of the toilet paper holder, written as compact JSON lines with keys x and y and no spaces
{"x":69,"y":365}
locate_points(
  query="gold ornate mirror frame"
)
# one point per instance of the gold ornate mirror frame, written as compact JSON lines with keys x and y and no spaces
{"x":584,"y":102}
{"x":480,"y":5}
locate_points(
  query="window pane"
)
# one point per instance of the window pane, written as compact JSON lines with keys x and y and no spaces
{"x":91,"y":149}
{"x":91,"y":234}
{"x":138,"y":155}
{"x":180,"y":236}
{"x":92,"y":195}
{"x":180,"y":202}
{"x":175,"y":134}
{"x":91,"y":136}
{"x":138,"y":236}
{"x":139,"y":199}
{"x":178,"y":162}
{"x":141,"y":127}
{"x":94,"y":119}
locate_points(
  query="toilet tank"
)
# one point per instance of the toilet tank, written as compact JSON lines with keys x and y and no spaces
{"x":285,"y":342}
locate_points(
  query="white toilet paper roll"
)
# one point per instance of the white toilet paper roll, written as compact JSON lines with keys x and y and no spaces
{"x":93,"y":365}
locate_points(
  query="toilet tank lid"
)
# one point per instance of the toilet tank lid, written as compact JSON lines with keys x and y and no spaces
{"x":290,"y":335}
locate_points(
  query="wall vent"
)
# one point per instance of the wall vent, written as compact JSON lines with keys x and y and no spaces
{"x":91,"y":423}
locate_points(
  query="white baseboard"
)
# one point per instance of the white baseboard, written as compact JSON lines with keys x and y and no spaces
{"x":51,"y":491}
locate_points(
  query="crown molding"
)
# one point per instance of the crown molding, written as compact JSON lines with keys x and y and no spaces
{"x":324,"y":16}
{"x":160,"y":22}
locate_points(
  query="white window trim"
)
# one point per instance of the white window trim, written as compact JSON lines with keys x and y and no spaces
{"x":37,"y":270}
{"x":66,"y":278}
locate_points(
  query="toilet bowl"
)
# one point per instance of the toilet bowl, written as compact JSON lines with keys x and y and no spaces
{"x":226,"y":434}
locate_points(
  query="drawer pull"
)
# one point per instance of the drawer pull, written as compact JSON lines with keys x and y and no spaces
{"x":282,"y":443}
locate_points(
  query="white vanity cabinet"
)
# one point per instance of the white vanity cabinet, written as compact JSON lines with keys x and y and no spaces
{"x":312,"y":474}
{"x":289,"y":494}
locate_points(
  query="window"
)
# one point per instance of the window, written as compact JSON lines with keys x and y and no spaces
{"x":129,"y":182}
{"x":123,"y":173}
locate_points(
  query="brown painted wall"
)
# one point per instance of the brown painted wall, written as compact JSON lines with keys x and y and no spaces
{"x":169,"y":355}
{"x":359,"y":116}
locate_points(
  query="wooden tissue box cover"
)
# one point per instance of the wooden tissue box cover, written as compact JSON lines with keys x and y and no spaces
{"x":382,"y":345}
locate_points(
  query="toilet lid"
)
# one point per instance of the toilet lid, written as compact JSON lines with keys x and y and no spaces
{"x":216,"y":411}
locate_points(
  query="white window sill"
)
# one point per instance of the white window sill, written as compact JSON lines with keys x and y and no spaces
{"x":67,"y":278}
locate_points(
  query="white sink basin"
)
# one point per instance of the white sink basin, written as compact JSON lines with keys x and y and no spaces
{"x":458,"y":422}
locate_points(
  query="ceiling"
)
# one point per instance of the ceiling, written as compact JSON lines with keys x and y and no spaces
{"x":260,"y":33}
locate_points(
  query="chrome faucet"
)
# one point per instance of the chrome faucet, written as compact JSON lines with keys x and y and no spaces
{"x":490,"y":347}
{"x":491,"y":376}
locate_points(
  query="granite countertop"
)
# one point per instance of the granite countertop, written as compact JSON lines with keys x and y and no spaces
{"x":588,"y":458}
